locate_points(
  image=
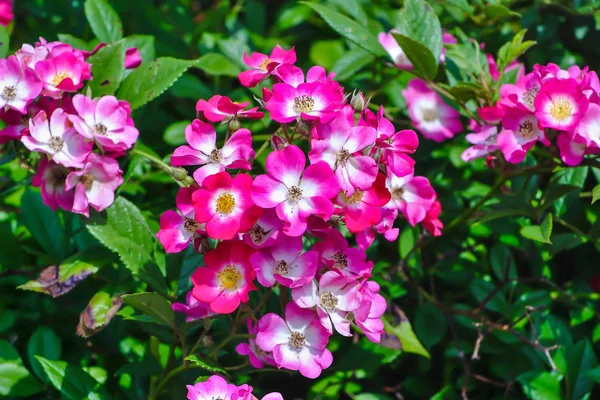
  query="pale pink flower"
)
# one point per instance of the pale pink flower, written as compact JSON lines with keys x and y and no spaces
{"x":226,"y":278}
{"x":560,"y":104}
{"x":217,"y":388}
{"x":589,"y":127}
{"x":296,"y":192}
{"x":298,"y":343}
{"x":219,"y":108}
{"x":335,"y":296}
{"x":258,"y":358}
{"x":572,"y":148}
{"x":484,"y":143}
{"x":192,"y":308}
{"x":263,"y":65}
{"x":285,"y":263}
{"x":392,"y":47}
{"x":107,"y":121}
{"x":18,"y":87}
{"x":338,"y":256}
{"x":64,"y":73}
{"x":521,"y":132}
{"x":30,"y":55}
{"x":412,"y":195}
{"x":368,"y":314}
{"x":178,"y":229}
{"x":51,"y":177}
{"x":202,"y":150}
{"x":265,"y":231}
{"x":57,"y":137}
{"x":523,"y":93}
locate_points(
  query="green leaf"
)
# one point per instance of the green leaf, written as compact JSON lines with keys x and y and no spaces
{"x":595,"y":193}
{"x":15,"y":379}
{"x":539,"y":233}
{"x":154,"y":305}
{"x":10,"y":254}
{"x":351,"y":62}
{"x":217,"y":65}
{"x":594,"y":374}
{"x":209,"y":366}
{"x":144,"y":44}
{"x":419,"y":22}
{"x":103,"y":20}
{"x":44,"y":224}
{"x":580,"y":359}
{"x":419,"y":55}
{"x":45,"y":343}
{"x":541,"y":385}
{"x":514,"y":49}
{"x":73,"y":382}
{"x":404,"y":332}
{"x":4,"y":42}
{"x":175,"y":133}
{"x":430,"y":324}
{"x":497,"y":11}
{"x":151,"y":79}
{"x":100,"y":310}
{"x":354,"y":9}
{"x":108,"y":65}
{"x":570,"y":176}
{"x":348,"y":28}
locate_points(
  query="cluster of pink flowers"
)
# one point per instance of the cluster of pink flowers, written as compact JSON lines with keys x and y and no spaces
{"x":216,"y":387}
{"x":79,"y":138}
{"x":282,"y":228}
{"x":547,"y":105}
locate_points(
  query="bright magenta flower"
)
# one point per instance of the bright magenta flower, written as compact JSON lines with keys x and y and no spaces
{"x":263,"y":65}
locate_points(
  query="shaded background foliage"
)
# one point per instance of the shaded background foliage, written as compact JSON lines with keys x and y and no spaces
{"x":481,"y":280}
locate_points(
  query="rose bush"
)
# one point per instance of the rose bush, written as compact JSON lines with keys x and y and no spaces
{"x":369,"y":200}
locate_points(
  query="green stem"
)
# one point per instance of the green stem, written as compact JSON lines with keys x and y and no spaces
{"x":152,"y":158}
{"x":167,"y":378}
{"x":227,"y":340}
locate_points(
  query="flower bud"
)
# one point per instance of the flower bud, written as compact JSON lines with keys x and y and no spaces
{"x":234,"y":125}
{"x":179,"y":173}
{"x":277,"y":142}
{"x":358,"y":101}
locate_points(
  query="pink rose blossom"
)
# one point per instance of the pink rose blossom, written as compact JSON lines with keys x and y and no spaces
{"x":257,"y":357}
{"x":412,"y":195}
{"x":368,"y":314}
{"x":263,"y":65}
{"x":14,"y":125}
{"x":572,"y":149}
{"x":107,"y":121}
{"x":94,"y":183}
{"x":224,"y":204}
{"x":217,"y":388}
{"x":202,"y":150}
{"x":6,"y":12}
{"x":265,"y":231}
{"x":285,"y":263}
{"x":521,"y":132}
{"x":296,"y":192}
{"x":385,"y":226}
{"x":178,"y":229}
{"x":560,"y":104}
{"x":64,"y":73}
{"x":432,"y":222}
{"x":56,"y":136}
{"x":337,"y":255}
{"x":298,"y":343}
{"x":18,"y":87}
{"x":335,"y":296}
{"x":227,"y":277}
{"x":193,"y":309}
{"x":51,"y":177}
{"x":484,"y":143}
{"x":522,"y":94}
{"x":219,"y":108}
{"x":390,"y":45}
{"x":429,"y":113}
{"x":589,"y":127}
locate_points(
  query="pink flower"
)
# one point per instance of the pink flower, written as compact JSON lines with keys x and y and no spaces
{"x":6,"y":12}
{"x":193,"y":309}
{"x":572,"y":149}
{"x":227,"y":277}
{"x":217,"y":388}
{"x":311,"y":101}
{"x":429,"y":113}
{"x":94,"y":183}
{"x":362,"y":209}
{"x":56,"y":136}
{"x":334,"y":297}
{"x":178,"y":229}
{"x":17,"y":87}
{"x":523,"y":93}
{"x":64,"y":73}
{"x":520,"y":134}
{"x":14,"y":125}
{"x":51,"y":177}
{"x":265,"y":231}
{"x":219,"y":108}
{"x":484,"y":143}
{"x":589,"y":127}
{"x":338,"y":256}
{"x":298,"y":343}
{"x":224,"y":204}
{"x":432,"y":222}
{"x":263,"y":65}
{"x":295,"y":192}
{"x":285,"y":263}
{"x":390,"y":45}
{"x":258,"y":358}
{"x":412,"y":195}
{"x":107,"y":121}
{"x":385,"y":226}
{"x":560,"y":104}
{"x":202,"y":150}
{"x":368,"y":315}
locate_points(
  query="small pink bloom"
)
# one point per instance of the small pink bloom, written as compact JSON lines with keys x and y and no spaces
{"x":523,"y":93}
{"x":560,"y":104}
{"x":226,"y":278}
{"x":193,"y":309}
{"x":589,"y":127}
{"x":334,"y":297}
{"x":340,"y":145}
{"x":56,"y":136}
{"x":412,"y":195}
{"x":285,"y":263}
{"x":520,"y":134}
{"x":202,"y":150}
{"x":107,"y":121}
{"x":178,"y":229}
{"x":133,"y":58}
{"x":491,"y":114}
{"x":51,"y":177}
{"x":263,"y":65}
{"x":338,"y":256}
{"x":258,"y":357}
{"x":14,"y":125}
{"x":368,"y":315}
{"x":298,"y":343}
{"x":484,"y":143}
{"x":362,"y":209}
{"x":219,"y":108}
{"x":429,"y":113}
{"x":297,"y":193}
{"x":265,"y":231}
{"x":224,"y":204}
{"x":63,"y":73}
{"x":18,"y":87}
{"x":385,"y":226}
{"x":216,"y":388}
{"x":6,"y":12}
{"x":390,"y":45}
{"x":432,"y":220}
{"x":572,"y":149}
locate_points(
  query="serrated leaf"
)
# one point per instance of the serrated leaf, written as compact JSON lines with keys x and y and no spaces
{"x":151,"y":79}
{"x":541,"y":385}
{"x":421,"y":57}
{"x":539,"y":233}
{"x":351,"y":62}
{"x":108,"y":65}
{"x":209,"y":366}
{"x":101,"y":308}
{"x":4,"y":42}
{"x":45,"y":343}
{"x":595,"y":193}
{"x":73,"y":382}
{"x":217,"y":65}
{"x":15,"y":379}
{"x":404,"y":333}
{"x":348,"y":28}
{"x":418,"y":21}
{"x":103,"y":20}
{"x":153,"y":305}
{"x":354,"y":9}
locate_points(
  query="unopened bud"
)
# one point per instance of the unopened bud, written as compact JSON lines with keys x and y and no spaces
{"x":207,"y":341}
{"x":358,"y":101}
{"x":277,"y":142}
{"x":201,"y":244}
{"x":207,"y":323}
{"x":179,"y":173}
{"x":234,"y":125}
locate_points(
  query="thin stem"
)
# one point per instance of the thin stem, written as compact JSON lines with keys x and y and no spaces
{"x":227,"y":340}
{"x":152,"y":158}
{"x":167,"y":378}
